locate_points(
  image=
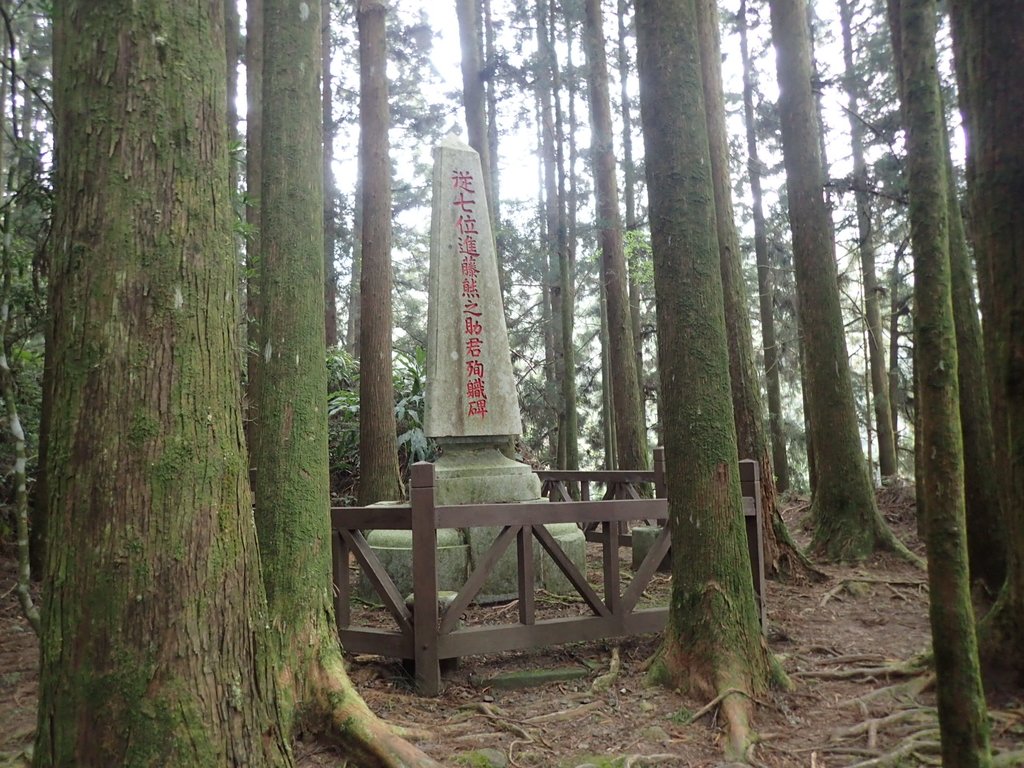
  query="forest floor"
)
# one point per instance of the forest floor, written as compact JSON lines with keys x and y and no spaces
{"x":849,"y":643}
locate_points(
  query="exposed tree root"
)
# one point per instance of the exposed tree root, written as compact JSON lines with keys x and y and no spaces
{"x":909,"y":689}
{"x":910,"y":668}
{"x":344,"y":718}
{"x":607,"y":680}
{"x":792,"y":563}
{"x":889,"y":541}
{"x":712,"y":704}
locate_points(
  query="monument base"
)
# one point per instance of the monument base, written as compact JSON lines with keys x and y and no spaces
{"x":475,"y":472}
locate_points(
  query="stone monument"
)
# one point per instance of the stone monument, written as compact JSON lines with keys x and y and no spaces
{"x":472,"y":406}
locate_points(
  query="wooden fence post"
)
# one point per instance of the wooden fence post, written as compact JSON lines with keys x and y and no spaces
{"x":750,"y":481}
{"x":424,"y":580}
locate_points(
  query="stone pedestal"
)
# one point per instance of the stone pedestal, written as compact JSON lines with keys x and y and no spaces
{"x":644,"y":537}
{"x":394,"y":548}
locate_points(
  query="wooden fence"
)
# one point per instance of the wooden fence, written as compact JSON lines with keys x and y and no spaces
{"x":426,"y":634}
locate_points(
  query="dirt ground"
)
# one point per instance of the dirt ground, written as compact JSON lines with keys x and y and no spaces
{"x":848,"y":644}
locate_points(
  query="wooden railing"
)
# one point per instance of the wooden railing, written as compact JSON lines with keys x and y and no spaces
{"x":427,"y":634}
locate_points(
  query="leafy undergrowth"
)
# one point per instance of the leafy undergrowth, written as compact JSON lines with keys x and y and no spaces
{"x":851,"y":646}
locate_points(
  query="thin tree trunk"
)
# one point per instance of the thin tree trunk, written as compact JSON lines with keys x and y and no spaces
{"x":961,"y":700}
{"x":847,"y":523}
{"x":765,"y":279}
{"x":474,"y":98}
{"x":986,"y":527}
{"x":630,"y":422}
{"x":629,"y":180}
{"x":748,"y":415}
{"x":570,"y":457}
{"x":354,"y":329}
{"x":555,"y":231}
{"x":379,"y":478}
{"x":865,"y":241}
{"x":330,"y":191}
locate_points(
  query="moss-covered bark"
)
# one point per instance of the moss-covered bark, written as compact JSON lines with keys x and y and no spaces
{"x":253,"y":188}
{"x":990,"y":67}
{"x":780,"y":554}
{"x":379,"y":479}
{"x":630,"y":420}
{"x":154,"y":649}
{"x":765,"y":281}
{"x":986,"y":528}
{"x":290,"y":456}
{"x":961,"y":700}
{"x":713,"y":641}
{"x":847,"y":525}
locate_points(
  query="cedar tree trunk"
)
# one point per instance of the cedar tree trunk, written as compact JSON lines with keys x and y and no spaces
{"x":154,"y":650}
{"x":713,"y":642}
{"x":961,"y":700}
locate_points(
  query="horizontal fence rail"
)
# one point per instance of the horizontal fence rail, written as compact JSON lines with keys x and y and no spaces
{"x":427,"y":633}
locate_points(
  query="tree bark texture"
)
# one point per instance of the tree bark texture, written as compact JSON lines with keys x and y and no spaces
{"x":990,"y":64}
{"x":847,"y":524}
{"x":254,"y":188}
{"x":474,"y":96}
{"x":330,"y":190}
{"x":154,"y":649}
{"x":986,"y":528}
{"x":290,"y":452}
{"x":629,"y":193}
{"x":630,"y":420}
{"x":379,"y":478}
{"x":961,"y":700}
{"x":746,"y":388}
{"x":710,"y":563}
{"x":865,"y":245}
{"x":765,"y":279}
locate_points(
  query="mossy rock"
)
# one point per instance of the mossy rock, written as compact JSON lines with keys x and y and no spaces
{"x":483,"y":758}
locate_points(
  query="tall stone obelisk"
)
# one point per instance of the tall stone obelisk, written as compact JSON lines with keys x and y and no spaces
{"x":472,"y":407}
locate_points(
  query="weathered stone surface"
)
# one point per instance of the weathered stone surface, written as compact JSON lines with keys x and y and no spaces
{"x":574,"y":544}
{"x":394,"y":548}
{"x":644,"y":537}
{"x":471,"y":390}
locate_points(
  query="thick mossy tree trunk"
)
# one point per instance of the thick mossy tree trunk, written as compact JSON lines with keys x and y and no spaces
{"x":630,"y":421}
{"x":290,"y":452}
{"x":847,"y":525}
{"x":154,"y":650}
{"x":379,"y":479}
{"x":713,"y":642}
{"x":990,"y":66}
{"x":780,"y":553}
{"x":961,"y":700}
{"x":866,"y":248}
{"x":765,"y":279}
{"x":253,"y":188}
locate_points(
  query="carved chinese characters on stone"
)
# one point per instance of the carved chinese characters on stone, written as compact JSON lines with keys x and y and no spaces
{"x":471,"y":390}
{"x":465,"y":186}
